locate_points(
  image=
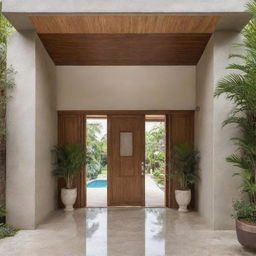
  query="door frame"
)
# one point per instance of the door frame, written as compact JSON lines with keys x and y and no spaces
{"x":168,"y":114}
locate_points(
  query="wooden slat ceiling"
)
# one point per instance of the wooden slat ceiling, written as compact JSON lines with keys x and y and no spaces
{"x":125,"y":49}
{"x":125,"y":40}
{"x":125,"y":24}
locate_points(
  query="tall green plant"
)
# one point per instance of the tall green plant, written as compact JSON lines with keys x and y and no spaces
{"x":184,"y":165}
{"x":6,"y":73}
{"x":70,"y":158}
{"x":239,"y":87}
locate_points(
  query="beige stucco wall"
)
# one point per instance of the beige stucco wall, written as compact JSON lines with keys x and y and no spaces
{"x":20,"y":174}
{"x":204,"y":130}
{"x":31,"y":118}
{"x":226,"y":187}
{"x":125,"y":87}
{"x":46,"y":133}
{"x":123,"y":6}
{"x":218,"y":188}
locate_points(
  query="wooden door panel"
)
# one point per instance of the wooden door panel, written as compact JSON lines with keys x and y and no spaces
{"x":180,"y":130}
{"x":71,"y":129}
{"x":126,"y":183}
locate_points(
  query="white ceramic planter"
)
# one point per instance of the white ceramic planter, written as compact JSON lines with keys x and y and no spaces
{"x":183,"y":198}
{"x":68,"y":198}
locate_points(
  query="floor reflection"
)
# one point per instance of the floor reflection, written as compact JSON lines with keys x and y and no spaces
{"x":122,"y":232}
{"x":125,"y":231}
{"x":96,"y":232}
{"x":155,"y":232}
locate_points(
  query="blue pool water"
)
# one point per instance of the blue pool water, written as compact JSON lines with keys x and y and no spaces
{"x":97,"y":184}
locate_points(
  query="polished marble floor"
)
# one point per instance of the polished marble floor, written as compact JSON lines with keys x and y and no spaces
{"x":121,"y":232}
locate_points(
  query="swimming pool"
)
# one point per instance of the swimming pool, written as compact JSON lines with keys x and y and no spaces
{"x":97,"y":184}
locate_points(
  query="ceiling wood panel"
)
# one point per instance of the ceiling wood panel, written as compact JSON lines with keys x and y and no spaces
{"x":125,"y":24}
{"x":125,"y":49}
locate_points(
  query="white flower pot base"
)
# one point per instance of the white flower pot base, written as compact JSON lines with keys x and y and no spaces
{"x":183,"y":198}
{"x":68,"y":198}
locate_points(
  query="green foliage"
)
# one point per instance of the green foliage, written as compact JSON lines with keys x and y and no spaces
{"x":6,"y":73}
{"x":7,"y":230}
{"x":155,"y":152}
{"x":6,"y":83}
{"x":245,"y":210}
{"x":96,"y":151}
{"x":240,"y":88}
{"x":2,"y":211}
{"x":184,"y":165}
{"x":70,"y":158}
{"x":159,"y":177}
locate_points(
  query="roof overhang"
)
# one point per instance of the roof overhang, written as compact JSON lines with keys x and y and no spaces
{"x":146,"y":32}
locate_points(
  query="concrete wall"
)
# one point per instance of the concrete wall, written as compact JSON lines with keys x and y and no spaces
{"x":28,"y":198}
{"x":218,"y":188}
{"x":20,"y":173}
{"x":46,"y":132}
{"x":125,"y":87}
{"x":204,"y":130}
{"x":124,"y":6}
{"x":232,"y":12}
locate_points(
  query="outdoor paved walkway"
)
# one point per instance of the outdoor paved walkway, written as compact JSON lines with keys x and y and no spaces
{"x":123,"y":232}
{"x":154,"y":196}
{"x":96,"y":197}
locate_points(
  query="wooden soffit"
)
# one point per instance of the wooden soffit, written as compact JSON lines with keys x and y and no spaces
{"x":125,"y":49}
{"x":125,"y":40}
{"x":134,"y":24}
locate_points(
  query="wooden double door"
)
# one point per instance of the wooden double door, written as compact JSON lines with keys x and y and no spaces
{"x":126,"y":153}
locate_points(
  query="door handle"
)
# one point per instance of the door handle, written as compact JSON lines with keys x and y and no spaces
{"x":142,"y":168}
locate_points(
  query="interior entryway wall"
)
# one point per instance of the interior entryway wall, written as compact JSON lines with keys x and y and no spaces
{"x":125,"y":87}
{"x":217,"y":189}
{"x":180,"y":129}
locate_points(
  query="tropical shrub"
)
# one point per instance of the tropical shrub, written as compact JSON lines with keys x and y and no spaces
{"x":184,"y":166}
{"x":5,"y":229}
{"x":245,"y":210}
{"x":239,"y":87}
{"x":2,"y":211}
{"x":6,"y":83}
{"x":155,"y":153}
{"x":159,"y":177}
{"x":96,"y":148}
{"x":70,"y":159}
{"x":6,"y":73}
{"x":155,"y":149}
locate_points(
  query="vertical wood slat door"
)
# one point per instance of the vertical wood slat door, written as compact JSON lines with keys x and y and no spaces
{"x":180,"y":130}
{"x":126,"y":180}
{"x":71,"y":129}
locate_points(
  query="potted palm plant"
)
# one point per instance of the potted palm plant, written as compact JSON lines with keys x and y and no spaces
{"x":240,"y":88}
{"x":184,"y":167}
{"x":70,"y":159}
